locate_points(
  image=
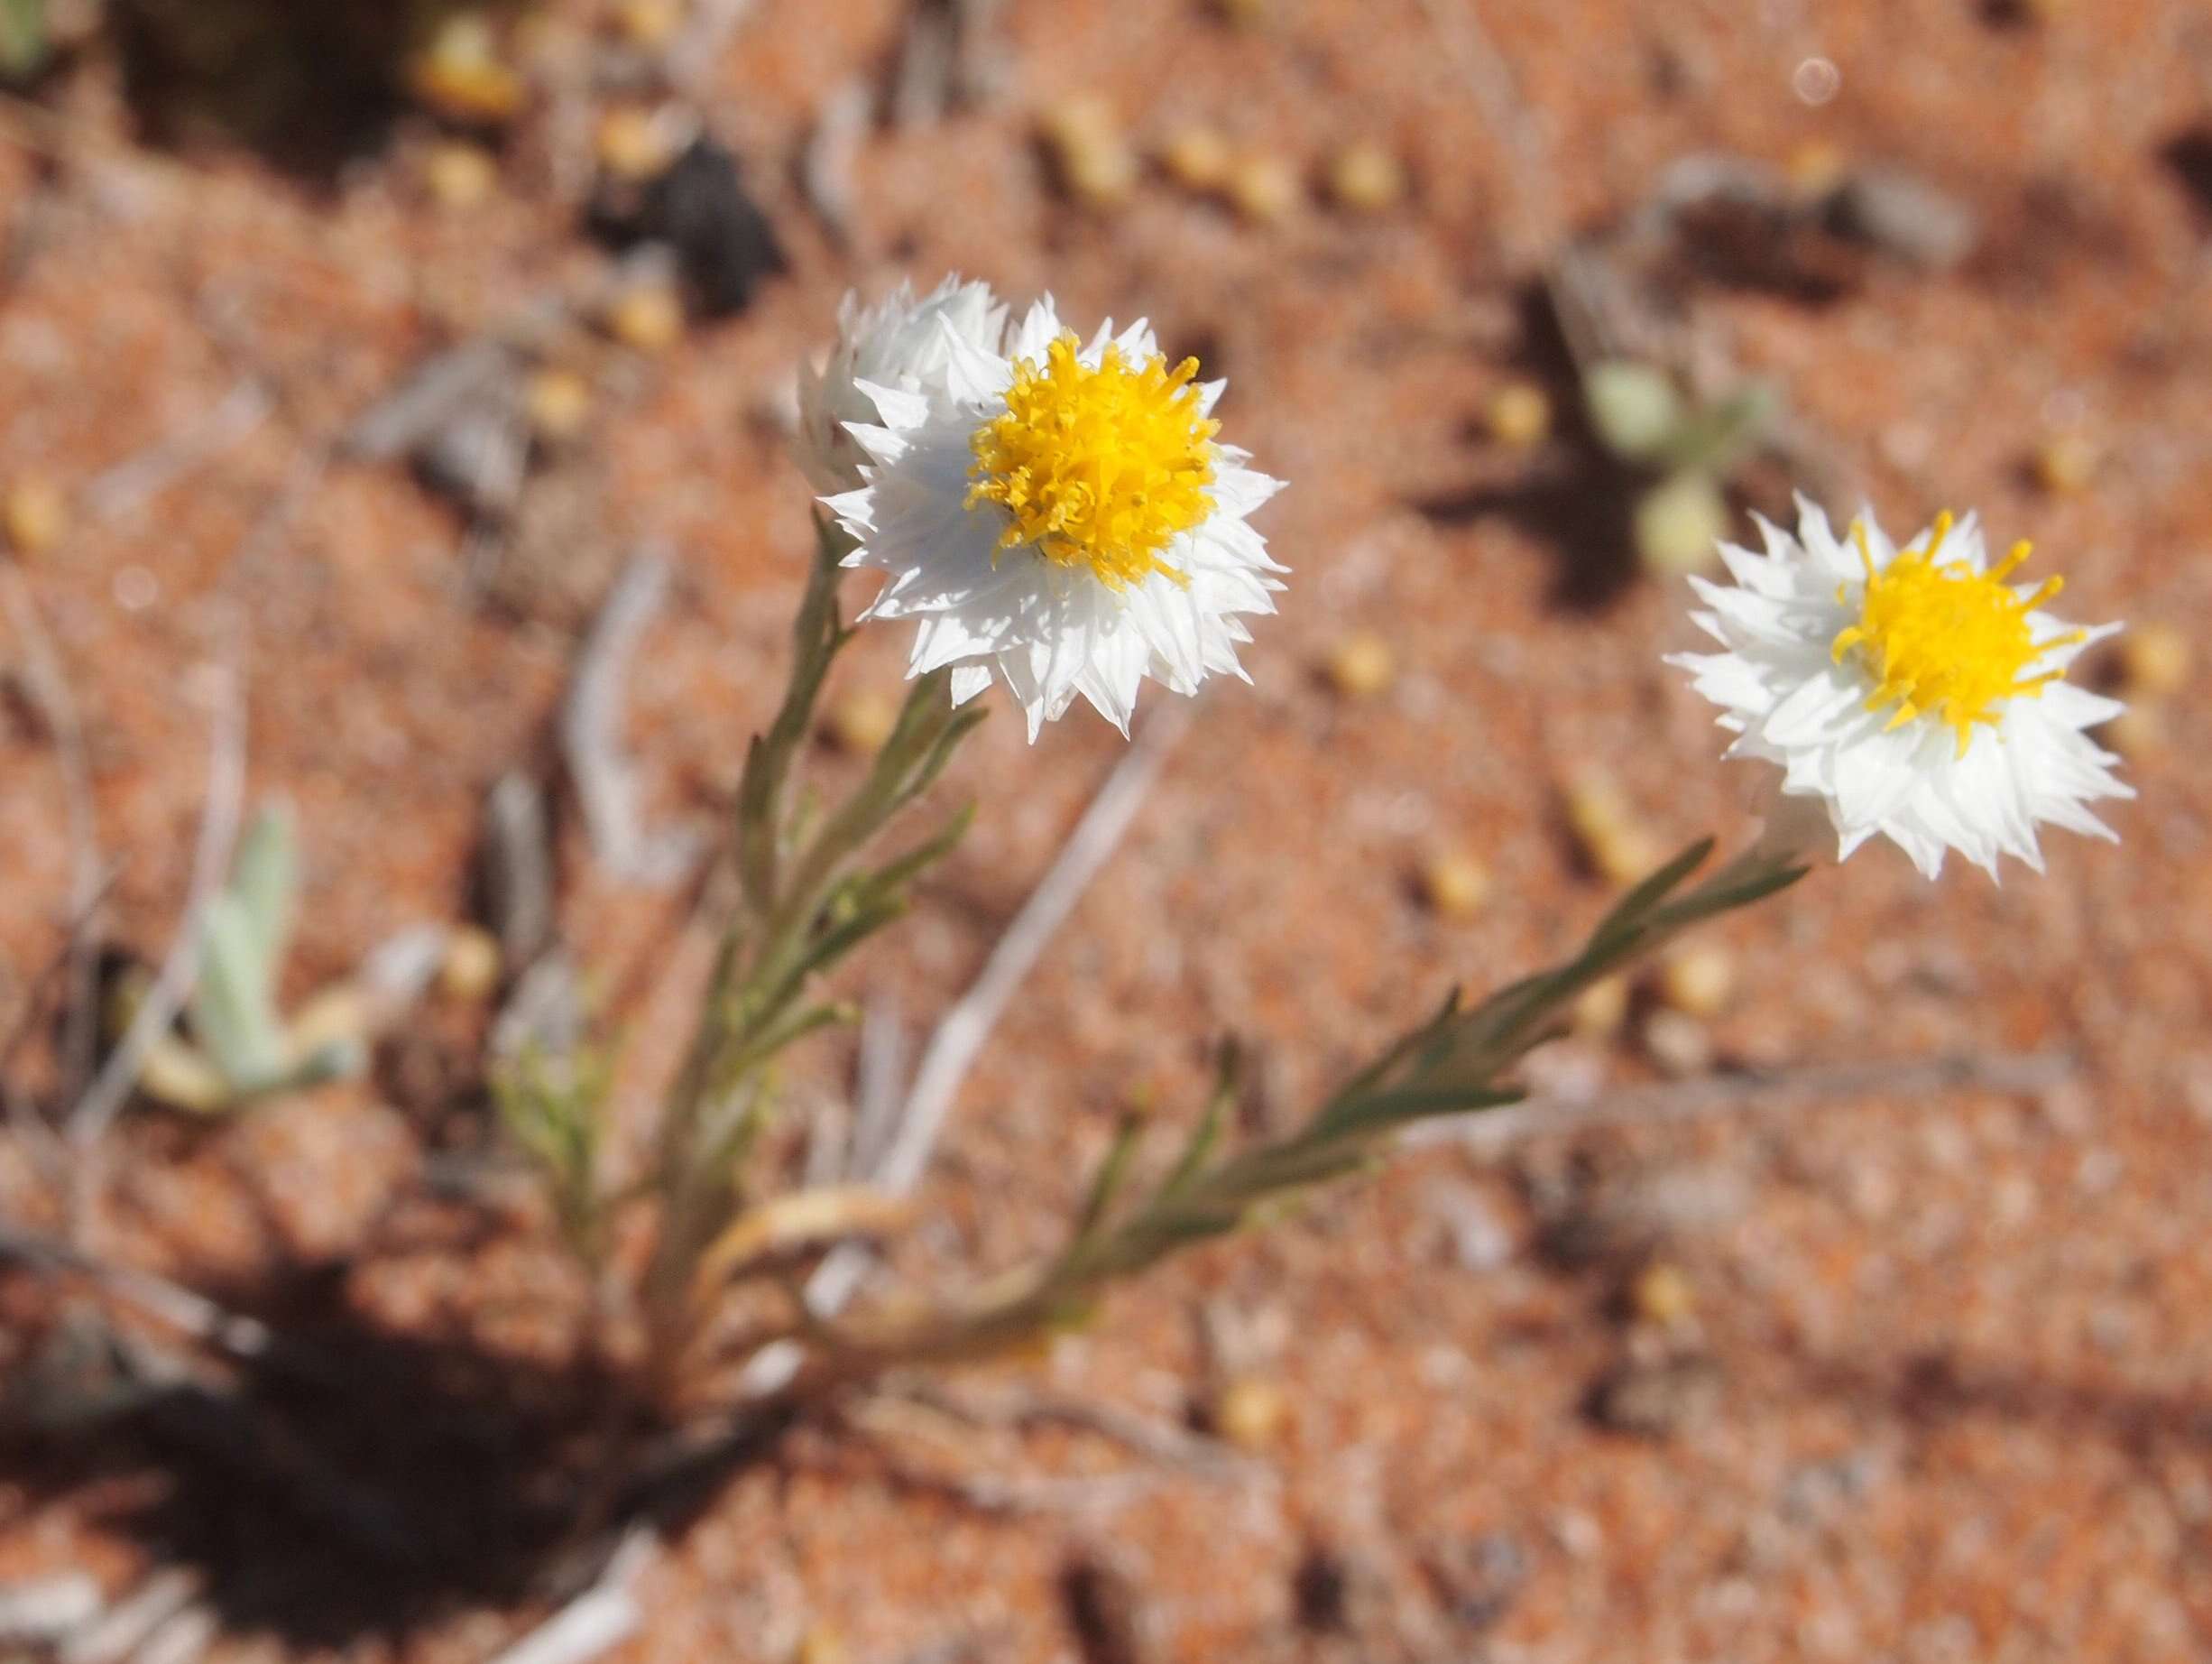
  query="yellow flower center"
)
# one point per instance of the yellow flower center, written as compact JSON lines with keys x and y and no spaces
{"x":1098,"y":468}
{"x":1942,"y":640}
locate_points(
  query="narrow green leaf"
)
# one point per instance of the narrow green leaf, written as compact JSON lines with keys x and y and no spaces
{"x":23,"y":42}
{"x":1628,"y":913}
{"x":1113,"y":1175}
{"x":1720,"y":896}
{"x":264,"y":880}
{"x":233,"y":1018}
{"x":1199,"y":1148}
{"x":1391,"y":1109}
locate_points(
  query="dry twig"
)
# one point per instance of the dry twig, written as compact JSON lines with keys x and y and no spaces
{"x":602,"y":1617}
{"x":1534,"y":220}
{"x":136,"y":481}
{"x":697,"y":46}
{"x":87,"y":880}
{"x":591,"y":724}
{"x":1157,"y":1441}
{"x":194,"y":1315}
{"x":832,"y":149}
{"x":218,"y":833}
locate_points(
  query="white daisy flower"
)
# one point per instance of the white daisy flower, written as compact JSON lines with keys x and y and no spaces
{"x":1060,"y":515}
{"x":1913,"y":692}
{"x":899,"y":343}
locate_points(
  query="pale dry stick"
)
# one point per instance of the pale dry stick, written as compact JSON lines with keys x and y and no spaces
{"x":960,"y":1036}
{"x":125,"y":1626}
{"x":697,"y":46}
{"x":832,"y":149}
{"x":596,"y":1621}
{"x":922,"y":82}
{"x":215,"y":1326}
{"x":591,"y":720}
{"x":51,"y":684}
{"x":41,"y":1611}
{"x":1157,"y":1441}
{"x":184,"y":1638}
{"x":879,"y":1086}
{"x":1497,"y":1129}
{"x":218,"y":834}
{"x":137,"y":480}
{"x":1533,"y":221}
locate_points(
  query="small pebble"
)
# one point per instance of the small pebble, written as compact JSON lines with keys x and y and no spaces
{"x":1698,"y":980}
{"x":459,"y":175}
{"x":1197,"y":159}
{"x":2137,"y":732}
{"x":2154,"y":660}
{"x":1657,"y":1401}
{"x":1454,"y":884}
{"x":1663,"y":1294}
{"x":648,"y":24}
{"x":460,"y":74}
{"x":1361,"y":665}
{"x":860,"y":721}
{"x":471,"y":970}
{"x":647,"y":316}
{"x":1091,"y":156}
{"x":1249,"y":1413}
{"x":1616,"y":844}
{"x":1366,"y":178}
{"x":558,"y":403}
{"x":35,"y":516}
{"x":632,"y":144}
{"x":1519,"y":415}
{"x":1813,"y":168}
{"x":1677,"y":1043}
{"x":1263,"y":187}
{"x":1600,"y":1008}
{"x":2066,"y":464}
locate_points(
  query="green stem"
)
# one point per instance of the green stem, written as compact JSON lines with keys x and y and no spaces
{"x":798,"y":913}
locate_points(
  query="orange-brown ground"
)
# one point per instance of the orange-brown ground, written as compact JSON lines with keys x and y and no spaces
{"x":1954,"y":1398}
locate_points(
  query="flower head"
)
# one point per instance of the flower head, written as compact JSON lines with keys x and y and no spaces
{"x":1915,"y":692}
{"x":898,"y":343}
{"x":1061,"y":515}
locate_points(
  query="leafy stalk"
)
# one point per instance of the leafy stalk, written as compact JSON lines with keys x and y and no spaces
{"x":807,"y":899}
{"x":1454,"y":1063}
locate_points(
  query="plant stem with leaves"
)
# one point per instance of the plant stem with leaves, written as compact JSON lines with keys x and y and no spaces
{"x":1456,"y":1062}
{"x":807,"y":898}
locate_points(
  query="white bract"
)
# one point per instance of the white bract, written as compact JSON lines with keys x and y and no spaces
{"x":1060,"y":515}
{"x":898,"y":343}
{"x":1913,"y":692}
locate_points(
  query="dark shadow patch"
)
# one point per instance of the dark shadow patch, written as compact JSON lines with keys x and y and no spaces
{"x":1578,"y":500}
{"x":351,"y":1484}
{"x":309,"y":87}
{"x":1931,"y":1389}
{"x":2188,"y":157}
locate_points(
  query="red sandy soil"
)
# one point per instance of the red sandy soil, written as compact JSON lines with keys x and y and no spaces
{"x":1947,"y":1397}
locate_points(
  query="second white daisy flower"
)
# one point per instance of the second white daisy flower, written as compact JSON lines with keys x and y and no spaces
{"x":1061,"y":516}
{"x":1913,"y":692}
{"x":898,"y":343}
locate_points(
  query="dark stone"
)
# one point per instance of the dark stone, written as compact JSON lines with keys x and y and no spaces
{"x":723,"y":241}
